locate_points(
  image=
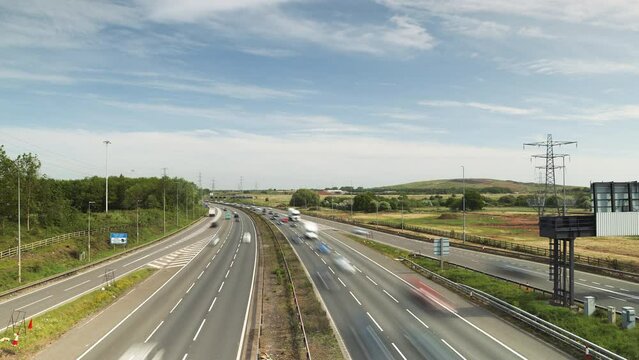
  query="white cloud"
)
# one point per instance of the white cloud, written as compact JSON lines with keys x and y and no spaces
{"x":198,"y":10}
{"x":599,"y":114}
{"x":575,"y":67}
{"x":60,"y":23}
{"x":613,"y":14}
{"x":534,"y":32}
{"x":408,"y":34}
{"x":401,"y":115}
{"x":476,"y":28}
{"x":10,"y":74}
{"x":273,"y":53}
{"x":500,"y":109}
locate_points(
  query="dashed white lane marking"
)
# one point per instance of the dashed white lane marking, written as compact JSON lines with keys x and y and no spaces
{"x":616,"y":298}
{"x":341,"y":282}
{"x":234,"y":256}
{"x":371,"y":280}
{"x":584,"y":280}
{"x":221,"y":286}
{"x":399,"y":352}
{"x":622,"y":289}
{"x":232,"y":262}
{"x":418,"y":319}
{"x":333,"y":271}
{"x":353,"y":295}
{"x":454,"y":350}
{"x":375,"y":322}
{"x":596,"y":283}
{"x":176,"y":305}
{"x":227,"y":273}
{"x":199,"y":276}
{"x":75,"y":286}
{"x":356,"y":268}
{"x":207,"y":265}
{"x":610,"y":286}
{"x":153,"y":332}
{"x":212,"y":303}
{"x":199,"y":329}
{"x":390,"y":296}
{"x":190,"y":287}
{"x":185,"y":355}
{"x":35,"y":302}
{"x":323,"y":261}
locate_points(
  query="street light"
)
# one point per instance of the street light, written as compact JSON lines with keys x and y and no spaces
{"x":106,"y":171}
{"x":19,"y":230}
{"x":89,"y":232}
{"x":137,"y":221}
{"x":402,"y":214}
{"x":464,"y":203}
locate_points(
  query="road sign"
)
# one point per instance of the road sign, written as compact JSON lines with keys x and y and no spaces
{"x":119,"y":238}
{"x":441,"y":247}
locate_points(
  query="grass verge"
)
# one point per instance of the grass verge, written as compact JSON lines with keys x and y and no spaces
{"x":595,"y":328}
{"x":56,"y":259}
{"x":52,"y":325}
{"x":322,"y":341}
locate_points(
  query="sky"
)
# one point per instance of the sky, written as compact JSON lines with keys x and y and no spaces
{"x":295,"y":93}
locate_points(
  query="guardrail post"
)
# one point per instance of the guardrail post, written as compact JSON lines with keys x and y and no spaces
{"x":589,"y":305}
{"x":612,"y":314}
{"x":627,"y":317}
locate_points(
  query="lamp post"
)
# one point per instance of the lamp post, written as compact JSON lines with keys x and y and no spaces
{"x":89,"y":233}
{"x":402,"y":214}
{"x":137,"y":221}
{"x":177,"y":205}
{"x":464,"y":204}
{"x":106,"y":176}
{"x":19,"y":231}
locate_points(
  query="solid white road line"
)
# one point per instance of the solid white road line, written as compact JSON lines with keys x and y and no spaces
{"x":199,"y":329}
{"x":248,"y":303}
{"x":75,"y":286}
{"x":390,"y":296}
{"x":375,"y":322}
{"x":35,"y":302}
{"x":416,"y":318}
{"x":176,"y":305}
{"x":397,"y":349}
{"x":153,"y":332}
{"x":212,"y":303}
{"x":454,"y":350}
{"x":353,"y":295}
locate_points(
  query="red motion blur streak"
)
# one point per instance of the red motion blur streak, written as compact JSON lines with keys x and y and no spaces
{"x":427,"y":293}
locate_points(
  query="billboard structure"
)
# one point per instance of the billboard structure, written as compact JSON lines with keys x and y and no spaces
{"x":616,"y":208}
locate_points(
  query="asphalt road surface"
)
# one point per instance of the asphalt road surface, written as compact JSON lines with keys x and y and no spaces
{"x":607,"y":291}
{"x":379,"y":316}
{"x":200,"y":312}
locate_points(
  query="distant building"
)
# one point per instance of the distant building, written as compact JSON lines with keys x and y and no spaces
{"x":332,"y":192}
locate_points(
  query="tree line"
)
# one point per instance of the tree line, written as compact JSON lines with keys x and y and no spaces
{"x":53,"y":202}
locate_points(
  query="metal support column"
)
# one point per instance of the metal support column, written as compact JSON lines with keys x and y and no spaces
{"x":571,"y":299}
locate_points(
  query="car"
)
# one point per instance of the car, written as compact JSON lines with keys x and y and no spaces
{"x":343,"y":264}
{"x":293,"y":224}
{"x":272,"y":217}
{"x":246,"y":238}
{"x":323,"y":248}
{"x":363,"y":232}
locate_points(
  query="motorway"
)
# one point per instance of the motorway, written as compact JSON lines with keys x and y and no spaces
{"x":200,"y":312}
{"x":379,"y":317}
{"x":606,"y":290}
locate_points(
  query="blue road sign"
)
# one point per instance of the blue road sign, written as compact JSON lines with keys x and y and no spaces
{"x":119,"y":238}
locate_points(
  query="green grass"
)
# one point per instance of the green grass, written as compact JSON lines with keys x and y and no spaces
{"x":61,"y":257}
{"x":53,"y":324}
{"x":595,"y":328}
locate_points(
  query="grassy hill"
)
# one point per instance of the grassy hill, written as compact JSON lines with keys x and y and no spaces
{"x":455,"y":186}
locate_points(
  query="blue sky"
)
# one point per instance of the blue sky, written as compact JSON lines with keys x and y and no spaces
{"x":320,"y":93}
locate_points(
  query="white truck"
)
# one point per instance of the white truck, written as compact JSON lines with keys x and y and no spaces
{"x":211,"y":211}
{"x":293,"y":214}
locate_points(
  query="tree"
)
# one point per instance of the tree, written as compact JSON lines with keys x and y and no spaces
{"x":304,"y":197}
{"x":474,"y":201}
{"x":507,"y":200}
{"x":362,"y":202}
{"x":384,"y":206}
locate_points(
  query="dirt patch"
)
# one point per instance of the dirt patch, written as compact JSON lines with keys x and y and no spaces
{"x":448,"y":216}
